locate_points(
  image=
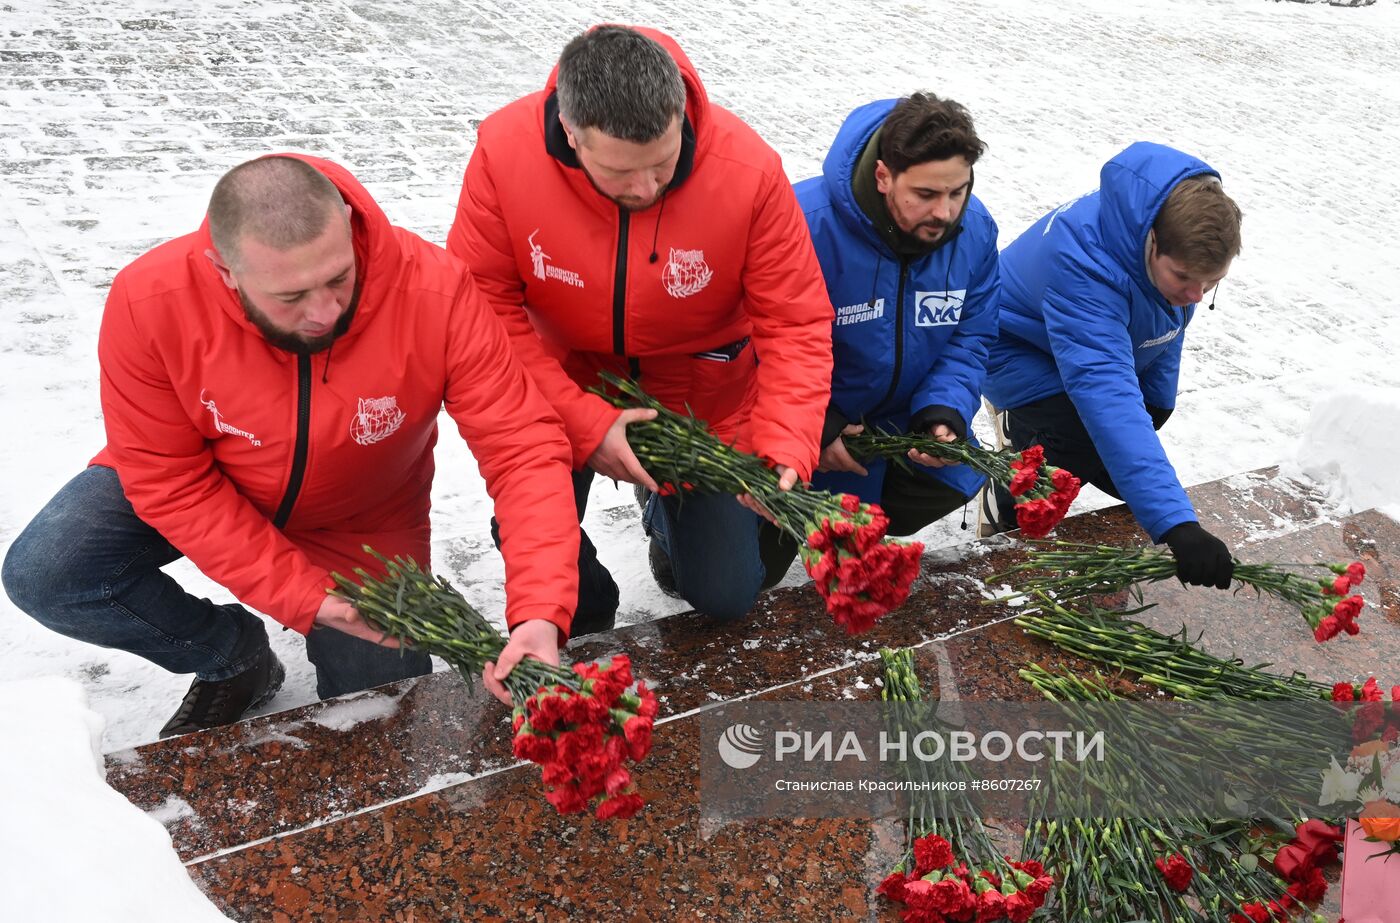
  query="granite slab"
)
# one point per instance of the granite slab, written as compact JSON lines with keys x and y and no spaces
{"x":404,"y":803}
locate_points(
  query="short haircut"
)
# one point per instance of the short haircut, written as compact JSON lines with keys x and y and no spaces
{"x":619,"y":81}
{"x":923,"y":127}
{"x":281,"y":202}
{"x":1199,"y":225}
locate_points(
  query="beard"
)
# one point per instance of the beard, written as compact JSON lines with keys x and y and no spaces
{"x":626,"y":203}
{"x":295,"y":343}
{"x":926,"y":232}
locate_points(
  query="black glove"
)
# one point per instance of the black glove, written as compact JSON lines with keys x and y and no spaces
{"x":928,"y":417}
{"x":1159,"y":415}
{"x":1201,"y":558}
{"x":833,"y":424}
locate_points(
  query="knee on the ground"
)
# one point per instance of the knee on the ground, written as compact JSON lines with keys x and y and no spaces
{"x":727,"y":603}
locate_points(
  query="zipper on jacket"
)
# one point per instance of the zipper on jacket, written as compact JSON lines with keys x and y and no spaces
{"x":620,"y":284}
{"x":898,"y":334}
{"x":289,"y":499}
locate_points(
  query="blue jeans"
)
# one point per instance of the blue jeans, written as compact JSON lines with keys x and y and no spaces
{"x":89,"y":568}
{"x":712,"y":542}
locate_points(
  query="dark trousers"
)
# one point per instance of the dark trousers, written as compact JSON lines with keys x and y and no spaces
{"x":710,"y":539}
{"x":88,"y":567}
{"x":1054,"y":424}
{"x":596,"y":608}
{"x":910,"y":500}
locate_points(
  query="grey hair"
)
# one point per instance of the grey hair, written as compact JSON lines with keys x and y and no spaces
{"x":620,"y":81}
{"x":281,"y":202}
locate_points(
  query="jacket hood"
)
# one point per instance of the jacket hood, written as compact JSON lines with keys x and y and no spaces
{"x":838,"y":172}
{"x":697,"y":101}
{"x":1132,"y":188}
{"x":376,"y":248}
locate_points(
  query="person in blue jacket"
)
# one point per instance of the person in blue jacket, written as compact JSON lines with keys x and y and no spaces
{"x":910,"y":260}
{"x":1096,"y":297}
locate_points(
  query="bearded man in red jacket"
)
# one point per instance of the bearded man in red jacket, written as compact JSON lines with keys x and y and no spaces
{"x":270,"y":388}
{"x":618,"y":221}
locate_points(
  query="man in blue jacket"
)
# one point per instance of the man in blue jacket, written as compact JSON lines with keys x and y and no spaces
{"x":910,"y":260}
{"x":1095,"y":301}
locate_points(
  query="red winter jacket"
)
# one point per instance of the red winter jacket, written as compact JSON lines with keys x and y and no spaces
{"x":203,"y":417}
{"x":733,"y":260}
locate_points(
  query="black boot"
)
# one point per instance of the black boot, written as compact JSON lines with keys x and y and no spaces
{"x":661,"y":570}
{"x":212,"y":704}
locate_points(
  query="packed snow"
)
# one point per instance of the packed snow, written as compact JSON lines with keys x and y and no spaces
{"x":1351,"y":444}
{"x":73,"y":848}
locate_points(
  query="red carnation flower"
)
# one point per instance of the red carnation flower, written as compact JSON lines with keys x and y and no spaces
{"x":1356,"y":572}
{"x":1343,"y":692}
{"x":931,"y":852}
{"x":893,"y":887}
{"x":1031,"y":867}
{"x":1036,"y":518}
{"x":567,"y":799}
{"x":1327,"y":629}
{"x":1348,"y":609}
{"x":1023,"y":480}
{"x":537,"y":748}
{"x":621,"y":806}
{"x":991,"y":905}
{"x":1176,"y":870}
{"x":952,"y":896}
{"x":1310,"y":887}
{"x":637,"y":732}
{"x":1019,"y":907}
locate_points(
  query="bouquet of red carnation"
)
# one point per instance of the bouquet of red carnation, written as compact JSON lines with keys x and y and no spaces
{"x":1043,"y":493}
{"x":1065,"y":571}
{"x":581,"y":725}
{"x":859,"y":572}
{"x":1373,"y":719}
{"x":582,"y":732}
{"x":938,"y":887}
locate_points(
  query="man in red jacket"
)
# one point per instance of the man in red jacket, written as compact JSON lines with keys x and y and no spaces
{"x":617,"y":220}
{"x":270,"y":388}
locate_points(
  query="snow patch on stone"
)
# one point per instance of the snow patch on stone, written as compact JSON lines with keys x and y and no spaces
{"x":347,"y":713}
{"x":1350,"y":445}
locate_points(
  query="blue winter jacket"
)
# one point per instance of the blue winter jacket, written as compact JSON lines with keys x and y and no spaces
{"x":908,"y":336}
{"x":1079,"y":315}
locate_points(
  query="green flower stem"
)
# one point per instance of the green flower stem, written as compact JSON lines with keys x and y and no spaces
{"x":680,"y":450}
{"x":429,"y":614}
{"x":1071,"y":570}
{"x":1171,"y":662}
{"x":896,"y":446}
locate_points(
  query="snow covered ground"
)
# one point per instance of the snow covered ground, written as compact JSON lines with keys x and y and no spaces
{"x":74,"y":849}
{"x":115,"y":120}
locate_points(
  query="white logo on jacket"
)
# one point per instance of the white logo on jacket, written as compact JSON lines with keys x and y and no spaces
{"x":377,"y":419}
{"x":686,"y":273}
{"x":1058,"y":212}
{"x":938,"y":309}
{"x":1158,"y":341}
{"x":224,"y":427}
{"x":859,"y":313}
{"x":547,"y":270}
